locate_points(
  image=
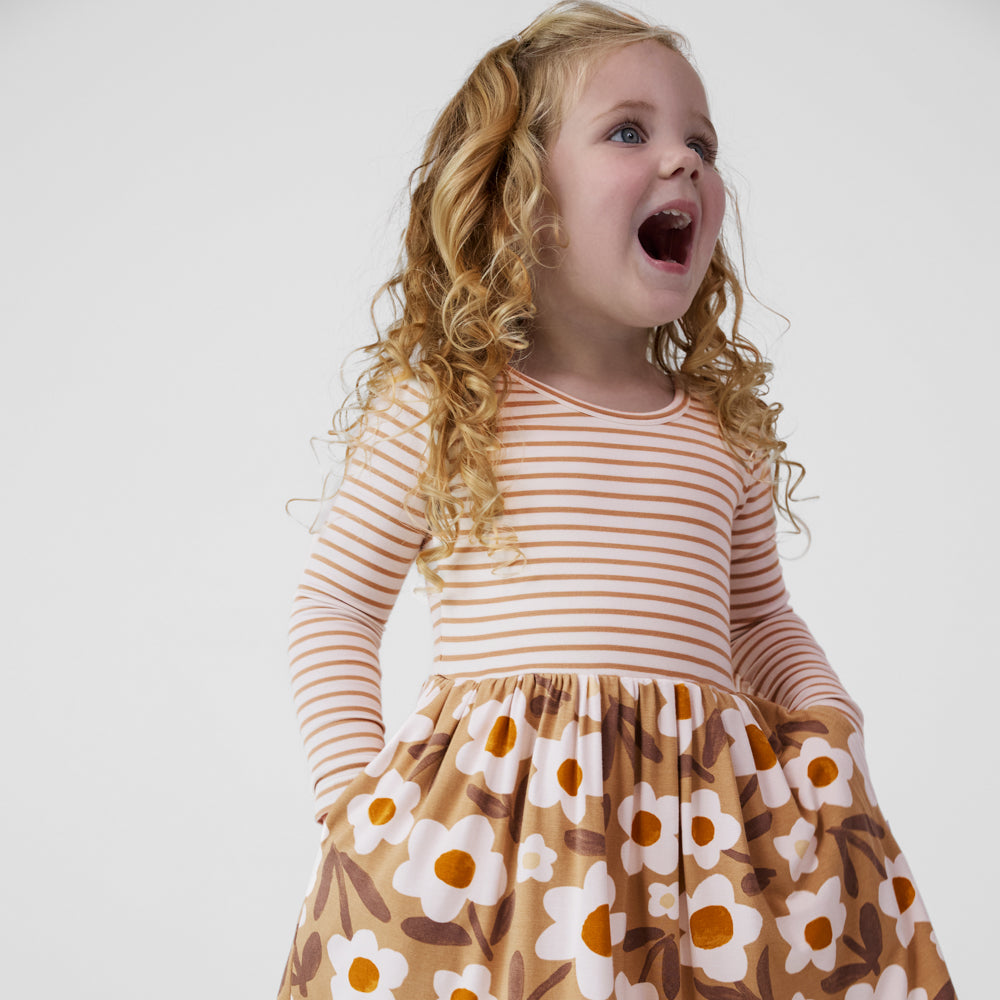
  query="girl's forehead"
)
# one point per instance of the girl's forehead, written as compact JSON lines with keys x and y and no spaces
{"x":649,"y":64}
{"x":637,"y":71}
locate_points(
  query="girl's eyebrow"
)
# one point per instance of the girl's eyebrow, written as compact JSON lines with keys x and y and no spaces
{"x":641,"y":105}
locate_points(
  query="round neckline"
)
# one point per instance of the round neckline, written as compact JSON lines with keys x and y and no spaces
{"x":663,"y":415}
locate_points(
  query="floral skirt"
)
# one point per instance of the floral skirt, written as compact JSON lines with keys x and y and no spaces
{"x":567,"y":835}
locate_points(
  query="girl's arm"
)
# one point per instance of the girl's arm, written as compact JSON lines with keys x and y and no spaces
{"x":356,"y":567}
{"x":774,"y":654}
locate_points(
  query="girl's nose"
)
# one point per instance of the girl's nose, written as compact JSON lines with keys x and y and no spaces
{"x":680,"y":161}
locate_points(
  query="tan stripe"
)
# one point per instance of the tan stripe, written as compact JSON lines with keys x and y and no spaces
{"x":593,"y":612}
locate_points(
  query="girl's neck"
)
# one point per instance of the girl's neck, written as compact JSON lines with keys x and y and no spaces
{"x":612,"y":374}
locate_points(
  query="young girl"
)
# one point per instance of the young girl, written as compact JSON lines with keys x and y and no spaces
{"x":633,"y":773}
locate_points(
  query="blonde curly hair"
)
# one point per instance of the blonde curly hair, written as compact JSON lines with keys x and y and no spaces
{"x":461,"y":292}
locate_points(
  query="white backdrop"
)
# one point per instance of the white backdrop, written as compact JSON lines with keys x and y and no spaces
{"x":196,"y":208}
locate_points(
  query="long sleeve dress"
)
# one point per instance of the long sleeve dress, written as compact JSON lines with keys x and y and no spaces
{"x":631,"y":772}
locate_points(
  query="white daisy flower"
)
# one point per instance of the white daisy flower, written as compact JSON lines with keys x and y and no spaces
{"x":415,"y":729}
{"x":567,"y":771}
{"x":891,"y":985}
{"x":630,"y":685}
{"x":624,"y":990}
{"x":385,"y":814}
{"x":430,"y":690}
{"x":717,"y":930}
{"x":589,"y":705}
{"x":664,"y":900}
{"x":856,"y":744}
{"x":706,"y":831}
{"x":651,"y":824}
{"x":821,"y":773}
{"x":363,"y":970}
{"x":683,"y":712}
{"x":448,"y":867}
{"x":898,"y":898}
{"x":315,"y":871}
{"x":501,"y":738}
{"x":534,"y":859}
{"x":751,"y":753}
{"x":473,"y":983}
{"x":798,"y":848}
{"x":585,"y":930}
{"x":813,"y":926}
{"x":465,"y":704}
{"x":937,"y":945}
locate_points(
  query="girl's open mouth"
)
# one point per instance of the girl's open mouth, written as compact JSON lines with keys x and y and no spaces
{"x":668,"y":236}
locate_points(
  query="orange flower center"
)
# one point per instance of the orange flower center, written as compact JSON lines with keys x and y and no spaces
{"x":381,"y":811}
{"x":763,"y":754}
{"x":363,"y":975}
{"x":711,"y":927}
{"x":904,"y":891}
{"x":502,"y":737}
{"x":455,"y":868}
{"x":702,"y":830}
{"x":818,"y":933}
{"x":570,"y":776}
{"x":821,"y":771}
{"x":645,"y":828}
{"x":596,"y":931}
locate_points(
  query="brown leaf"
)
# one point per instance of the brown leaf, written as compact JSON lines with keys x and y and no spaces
{"x":688,"y":765}
{"x":312,"y":956}
{"x":515,"y":977}
{"x":650,"y":957}
{"x":758,"y":825}
{"x":862,"y":822}
{"x":855,"y":946}
{"x":503,"y":919}
{"x":517,"y":812}
{"x":717,"y":992}
{"x":670,"y":970}
{"x":325,"y":880}
{"x":487,"y":803}
{"x":587,"y":842}
{"x":345,"y":910}
{"x":871,"y":931}
{"x":429,"y":761}
{"x":429,"y":931}
{"x":303,"y":969}
{"x":784,"y":730}
{"x":416,"y":750}
{"x":947,"y":992}
{"x":757,"y":881}
{"x":557,"y":977}
{"x":364,"y":885}
{"x":477,"y":929}
{"x":867,"y":851}
{"x":764,"y":977}
{"x":641,"y":740}
{"x":627,"y":741}
{"x":748,"y":790}
{"x":609,"y":736}
{"x":841,"y":978}
{"x":548,"y":703}
{"x":715,"y":738}
{"x":638,"y":936}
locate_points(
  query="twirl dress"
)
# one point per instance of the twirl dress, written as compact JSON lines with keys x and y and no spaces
{"x":631,"y":773}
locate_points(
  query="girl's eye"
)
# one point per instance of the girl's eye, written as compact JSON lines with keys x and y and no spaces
{"x":705,"y":147}
{"x":631,"y":133}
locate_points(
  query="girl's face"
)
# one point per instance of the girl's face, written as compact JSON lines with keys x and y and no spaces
{"x":636,"y":142}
